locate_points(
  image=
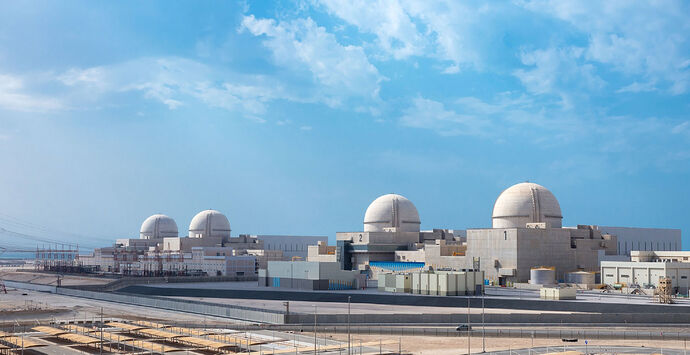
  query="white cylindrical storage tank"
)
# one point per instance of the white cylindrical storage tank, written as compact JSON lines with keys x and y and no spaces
{"x":580,"y":277}
{"x":542,"y":276}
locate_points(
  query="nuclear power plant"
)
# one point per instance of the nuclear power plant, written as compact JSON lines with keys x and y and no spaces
{"x":526,"y":268}
{"x":526,"y":244}
{"x":208,"y":249}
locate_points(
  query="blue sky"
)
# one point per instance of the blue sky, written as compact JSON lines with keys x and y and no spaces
{"x":291,"y":116}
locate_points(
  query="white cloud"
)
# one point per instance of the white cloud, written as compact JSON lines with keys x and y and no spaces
{"x":454,"y":27}
{"x":558,"y":72}
{"x":433,"y":115}
{"x":396,"y":33}
{"x":647,"y":39}
{"x":15,"y":96}
{"x":638,"y":87}
{"x":446,"y":30}
{"x":305,"y":128}
{"x":340,"y":71}
{"x":682,"y":128}
{"x":177,"y":81}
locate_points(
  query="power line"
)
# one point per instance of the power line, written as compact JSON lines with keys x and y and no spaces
{"x":16,"y":222}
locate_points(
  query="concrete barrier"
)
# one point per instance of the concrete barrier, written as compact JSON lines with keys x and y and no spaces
{"x":409,"y":300}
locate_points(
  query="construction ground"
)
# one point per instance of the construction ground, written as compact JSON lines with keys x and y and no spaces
{"x":47,"y":323}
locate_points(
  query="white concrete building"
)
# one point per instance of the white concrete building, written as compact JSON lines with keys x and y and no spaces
{"x":209,"y":249}
{"x":646,"y":274}
{"x":290,"y":245}
{"x":647,"y":239}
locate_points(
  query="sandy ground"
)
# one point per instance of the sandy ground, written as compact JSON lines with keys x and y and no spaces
{"x":458,"y":345}
{"x":85,"y":309}
{"x":58,"y":307}
{"x":51,"y":279}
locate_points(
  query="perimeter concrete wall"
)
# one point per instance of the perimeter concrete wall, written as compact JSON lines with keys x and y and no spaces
{"x":411,"y":300}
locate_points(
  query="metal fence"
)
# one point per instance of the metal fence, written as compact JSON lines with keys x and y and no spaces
{"x":253,"y":314}
{"x":592,"y":334}
{"x":191,"y":306}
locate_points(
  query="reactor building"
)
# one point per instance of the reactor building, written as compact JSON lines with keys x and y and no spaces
{"x":527,"y":233}
{"x":208,"y":249}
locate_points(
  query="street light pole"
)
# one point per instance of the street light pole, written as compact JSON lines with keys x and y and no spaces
{"x":315,"y":349}
{"x":101,"y":326}
{"x":349,"y":298}
{"x":468,"y":326}
{"x":483,"y":324}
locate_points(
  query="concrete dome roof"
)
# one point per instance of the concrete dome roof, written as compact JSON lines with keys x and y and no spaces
{"x":209,"y":223}
{"x":158,"y":226}
{"x":526,"y":203}
{"x":389,"y":211}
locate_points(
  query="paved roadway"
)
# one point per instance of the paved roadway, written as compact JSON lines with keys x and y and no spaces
{"x":603,"y":349}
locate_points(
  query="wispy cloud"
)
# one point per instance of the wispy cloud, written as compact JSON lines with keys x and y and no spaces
{"x":396,"y":33}
{"x":634,"y":38}
{"x":339,"y":71}
{"x":559,"y":72}
{"x":638,"y":87}
{"x":15,"y":96}
{"x":174,"y":82}
{"x":433,"y":115}
{"x":403,"y":28}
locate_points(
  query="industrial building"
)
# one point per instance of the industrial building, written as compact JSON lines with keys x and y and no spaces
{"x":526,"y":232}
{"x":291,"y":245}
{"x":441,"y":283}
{"x":207,"y":249}
{"x":309,"y":275}
{"x":646,"y":239}
{"x":646,"y":268}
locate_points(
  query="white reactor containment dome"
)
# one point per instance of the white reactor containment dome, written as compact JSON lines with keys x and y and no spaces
{"x":209,"y":223}
{"x":526,"y":203}
{"x":158,"y":226}
{"x":391,"y":211}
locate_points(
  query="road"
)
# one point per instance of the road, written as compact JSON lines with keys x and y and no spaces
{"x":603,"y":349}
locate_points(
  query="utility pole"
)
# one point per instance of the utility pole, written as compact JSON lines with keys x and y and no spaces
{"x":483,"y":324}
{"x":101,"y":327}
{"x":469,"y":327}
{"x":349,"y":298}
{"x":315,"y":341}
